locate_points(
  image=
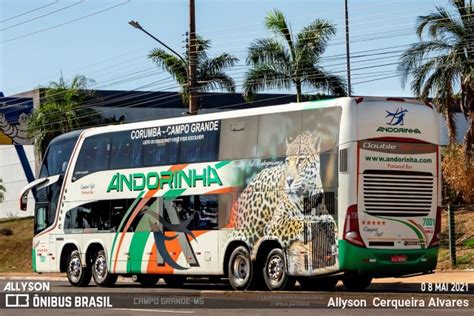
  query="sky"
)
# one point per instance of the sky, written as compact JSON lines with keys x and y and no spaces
{"x":93,"y":38}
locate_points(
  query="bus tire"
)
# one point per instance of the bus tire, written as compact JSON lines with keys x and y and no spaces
{"x":356,"y":282}
{"x":240,"y":269}
{"x":174,"y":280}
{"x":275,"y":272}
{"x":77,"y":274}
{"x":319,"y":284}
{"x":100,"y":271}
{"x":148,"y":280}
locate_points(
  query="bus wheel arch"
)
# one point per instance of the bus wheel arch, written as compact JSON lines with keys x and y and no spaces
{"x":65,"y":253}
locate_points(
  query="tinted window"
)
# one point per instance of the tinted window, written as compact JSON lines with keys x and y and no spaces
{"x":200,"y":150}
{"x":206,"y":211}
{"x":46,"y":205}
{"x":160,"y":154}
{"x":94,"y":156}
{"x":94,"y":216}
{"x":202,"y":211}
{"x":57,"y":158}
{"x":126,"y":153}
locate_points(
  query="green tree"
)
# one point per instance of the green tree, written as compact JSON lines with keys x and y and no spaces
{"x":62,"y":110}
{"x":210,"y":72}
{"x":2,"y":191}
{"x":287,"y":60}
{"x":441,"y":64}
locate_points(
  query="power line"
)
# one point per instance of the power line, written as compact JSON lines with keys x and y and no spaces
{"x":27,"y":12}
{"x":42,"y":16}
{"x":65,"y":23}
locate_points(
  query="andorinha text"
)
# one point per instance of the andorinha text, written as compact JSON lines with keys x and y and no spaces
{"x":398,"y":130}
{"x":173,"y":179}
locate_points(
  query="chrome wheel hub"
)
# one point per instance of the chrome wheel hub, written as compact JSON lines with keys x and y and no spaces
{"x":75,"y":269}
{"x":275,"y":268}
{"x":100,"y":267}
{"x":241,"y":268}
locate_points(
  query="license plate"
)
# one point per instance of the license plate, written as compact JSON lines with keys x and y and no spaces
{"x":399,"y":258}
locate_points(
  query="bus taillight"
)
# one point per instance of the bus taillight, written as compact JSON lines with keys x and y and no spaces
{"x":437,"y":231}
{"x":351,"y":227}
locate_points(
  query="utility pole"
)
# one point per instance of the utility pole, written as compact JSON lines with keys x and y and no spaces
{"x":348,"y":58}
{"x":192,"y":44}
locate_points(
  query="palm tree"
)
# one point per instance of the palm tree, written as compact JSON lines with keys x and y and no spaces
{"x":442,"y":66}
{"x":2,"y":190}
{"x":287,"y":60}
{"x":210,"y":72}
{"x":62,"y":111}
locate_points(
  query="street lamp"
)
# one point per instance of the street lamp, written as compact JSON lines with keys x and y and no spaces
{"x":137,"y":25}
{"x":189,"y":66}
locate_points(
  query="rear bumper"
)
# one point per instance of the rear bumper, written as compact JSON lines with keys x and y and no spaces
{"x":377,"y":262}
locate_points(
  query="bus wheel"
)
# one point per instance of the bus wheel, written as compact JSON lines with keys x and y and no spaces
{"x":240,"y":269}
{"x":76,"y":273}
{"x":356,"y":282}
{"x":100,"y":271}
{"x":174,"y":280}
{"x":147,"y":280}
{"x":319,"y":284}
{"x":274,"y":273}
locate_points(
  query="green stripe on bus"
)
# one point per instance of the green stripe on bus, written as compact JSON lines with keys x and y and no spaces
{"x":316,"y":104}
{"x":122,"y":223}
{"x":136,"y":250}
{"x":171,"y":194}
{"x":33,"y":256}
{"x":221,"y":164}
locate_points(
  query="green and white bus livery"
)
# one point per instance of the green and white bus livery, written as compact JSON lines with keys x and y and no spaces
{"x":344,"y":188}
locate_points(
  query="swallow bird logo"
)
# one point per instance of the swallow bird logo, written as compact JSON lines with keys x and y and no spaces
{"x":397,"y":117}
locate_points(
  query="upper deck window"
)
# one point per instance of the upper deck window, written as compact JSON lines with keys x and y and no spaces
{"x":94,"y":156}
{"x":57,"y":157}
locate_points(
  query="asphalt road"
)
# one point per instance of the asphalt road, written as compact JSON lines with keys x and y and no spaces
{"x":384,"y":296}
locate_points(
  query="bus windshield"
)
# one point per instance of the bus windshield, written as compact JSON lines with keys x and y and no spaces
{"x":46,"y":198}
{"x":56,"y":158}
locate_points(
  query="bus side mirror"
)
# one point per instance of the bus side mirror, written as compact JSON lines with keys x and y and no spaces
{"x":24,"y":201}
{"x":25,"y":190}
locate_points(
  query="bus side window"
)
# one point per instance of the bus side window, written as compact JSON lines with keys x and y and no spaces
{"x":94,"y":216}
{"x":94,"y":156}
{"x":206,"y":149}
{"x":118,"y":208}
{"x":206,"y":212}
{"x":126,"y":153}
{"x":178,"y":210}
{"x":160,"y":154}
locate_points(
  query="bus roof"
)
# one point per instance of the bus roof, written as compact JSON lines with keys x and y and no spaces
{"x":289,"y":107}
{"x":67,"y":136}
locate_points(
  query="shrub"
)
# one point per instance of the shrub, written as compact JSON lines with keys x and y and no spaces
{"x":458,"y":175}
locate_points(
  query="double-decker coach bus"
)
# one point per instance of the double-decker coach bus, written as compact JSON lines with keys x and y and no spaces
{"x":345,"y":189}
